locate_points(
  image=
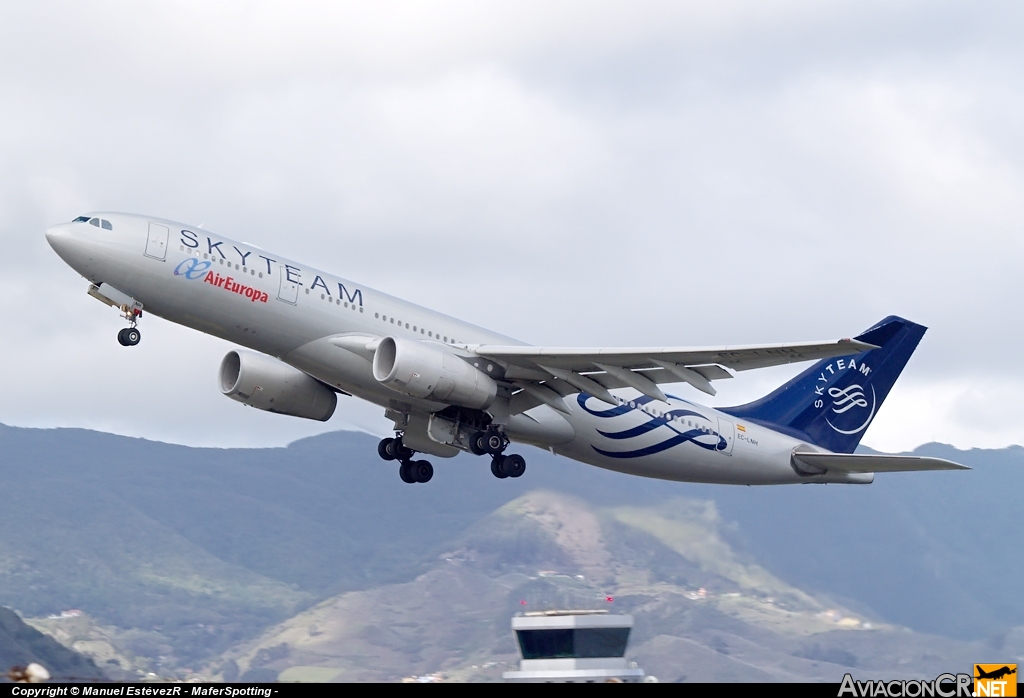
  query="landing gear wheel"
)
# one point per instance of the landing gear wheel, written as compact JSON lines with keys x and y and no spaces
{"x":422,"y":470}
{"x":513,"y":465}
{"x":478,"y":443}
{"x":384,"y":449}
{"x":405,"y":472}
{"x":129,"y":337}
{"x":494,"y":442}
{"x":497,"y":467}
{"x":398,"y":450}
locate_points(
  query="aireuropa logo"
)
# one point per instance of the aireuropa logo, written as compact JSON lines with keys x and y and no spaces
{"x":995,"y":680}
{"x":192,"y":269}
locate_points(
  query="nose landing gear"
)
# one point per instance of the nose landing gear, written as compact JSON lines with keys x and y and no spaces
{"x":129,"y":336}
{"x":131,"y":310}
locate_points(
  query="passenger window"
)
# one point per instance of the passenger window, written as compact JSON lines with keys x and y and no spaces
{"x":106,"y":225}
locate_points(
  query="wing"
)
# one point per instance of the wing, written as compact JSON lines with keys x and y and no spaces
{"x":864,"y":463}
{"x":546,"y":374}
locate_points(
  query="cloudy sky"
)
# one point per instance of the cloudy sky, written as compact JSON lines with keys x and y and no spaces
{"x":581,"y":173}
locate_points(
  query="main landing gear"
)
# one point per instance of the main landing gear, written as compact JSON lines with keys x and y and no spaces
{"x":493,"y":442}
{"x":489,"y":442}
{"x":409,"y":470}
{"x":512,"y":465}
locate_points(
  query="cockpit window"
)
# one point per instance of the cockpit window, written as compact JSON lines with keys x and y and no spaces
{"x":98,"y":222}
{"x":81,"y":219}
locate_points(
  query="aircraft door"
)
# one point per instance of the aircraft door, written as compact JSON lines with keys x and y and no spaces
{"x":288,"y":291}
{"x":156,"y":243}
{"x":727,"y":430}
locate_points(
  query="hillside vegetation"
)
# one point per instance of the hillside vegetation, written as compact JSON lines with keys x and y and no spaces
{"x":181,"y":559}
{"x":21,"y":645}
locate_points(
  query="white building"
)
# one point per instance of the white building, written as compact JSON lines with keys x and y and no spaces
{"x":573,"y":647}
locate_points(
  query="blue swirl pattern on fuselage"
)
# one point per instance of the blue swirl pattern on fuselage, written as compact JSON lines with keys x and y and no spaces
{"x":680,"y":437}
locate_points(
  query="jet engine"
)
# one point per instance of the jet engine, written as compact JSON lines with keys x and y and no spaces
{"x":421,"y":370}
{"x":267,"y":384}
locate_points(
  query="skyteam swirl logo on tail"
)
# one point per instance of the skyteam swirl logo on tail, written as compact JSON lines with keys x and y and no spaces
{"x":665,"y":426}
{"x":853,"y":401}
{"x":845,"y":399}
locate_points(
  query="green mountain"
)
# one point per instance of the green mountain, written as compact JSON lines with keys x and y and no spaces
{"x":179,"y":555}
{"x":21,"y":645}
{"x":702,"y":612}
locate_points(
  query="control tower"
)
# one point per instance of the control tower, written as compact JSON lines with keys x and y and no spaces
{"x":573,"y":647}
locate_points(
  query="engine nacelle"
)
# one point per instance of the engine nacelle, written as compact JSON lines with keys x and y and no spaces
{"x":267,"y":384}
{"x":420,"y":370}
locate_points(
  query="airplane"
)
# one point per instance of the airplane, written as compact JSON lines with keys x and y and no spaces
{"x":995,"y":674}
{"x":449,"y":386}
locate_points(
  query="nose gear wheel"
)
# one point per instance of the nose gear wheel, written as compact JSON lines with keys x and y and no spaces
{"x":129,"y":337}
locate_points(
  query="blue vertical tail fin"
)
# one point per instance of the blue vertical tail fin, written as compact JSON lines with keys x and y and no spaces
{"x":832,"y":403}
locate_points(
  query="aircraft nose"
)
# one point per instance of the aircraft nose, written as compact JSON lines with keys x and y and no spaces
{"x":57,"y":234}
{"x":62,"y":240}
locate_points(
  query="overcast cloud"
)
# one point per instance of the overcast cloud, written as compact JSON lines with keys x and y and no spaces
{"x":582,"y":173}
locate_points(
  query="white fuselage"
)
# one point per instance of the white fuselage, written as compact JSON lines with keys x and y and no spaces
{"x":292,"y":311}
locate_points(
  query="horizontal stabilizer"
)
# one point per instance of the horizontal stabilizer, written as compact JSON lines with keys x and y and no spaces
{"x":865,"y":463}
